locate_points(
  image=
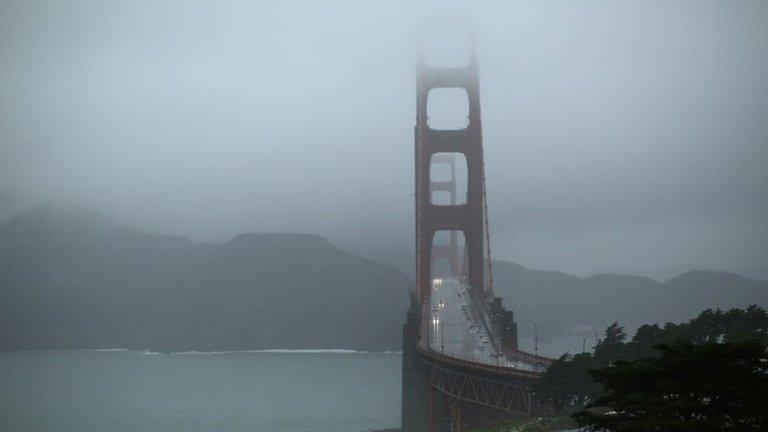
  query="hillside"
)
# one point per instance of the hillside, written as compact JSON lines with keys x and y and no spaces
{"x":561,"y":303}
{"x":74,"y":280}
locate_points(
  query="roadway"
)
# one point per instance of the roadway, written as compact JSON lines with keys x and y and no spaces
{"x":457,"y":329}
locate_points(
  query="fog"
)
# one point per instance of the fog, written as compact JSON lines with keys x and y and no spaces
{"x":619,"y":136}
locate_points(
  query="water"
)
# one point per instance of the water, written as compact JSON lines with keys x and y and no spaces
{"x":87,"y":391}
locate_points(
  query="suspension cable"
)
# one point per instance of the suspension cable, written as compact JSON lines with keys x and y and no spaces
{"x":487,"y":229}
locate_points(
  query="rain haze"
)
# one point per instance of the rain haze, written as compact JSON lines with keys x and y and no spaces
{"x":621,"y":137}
{"x":383,"y":216}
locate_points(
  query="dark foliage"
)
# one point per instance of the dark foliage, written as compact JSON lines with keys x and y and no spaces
{"x":696,"y":388}
{"x":567,"y":386}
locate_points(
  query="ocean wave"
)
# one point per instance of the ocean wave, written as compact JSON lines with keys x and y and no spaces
{"x":107,"y":350}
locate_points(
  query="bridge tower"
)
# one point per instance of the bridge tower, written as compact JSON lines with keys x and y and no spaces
{"x":430,"y":145}
{"x":445,"y":390}
{"x":450,"y":250}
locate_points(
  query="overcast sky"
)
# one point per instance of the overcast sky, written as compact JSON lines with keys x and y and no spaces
{"x":619,"y":136}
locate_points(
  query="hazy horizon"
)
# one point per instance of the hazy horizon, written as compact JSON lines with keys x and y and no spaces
{"x":618,"y":137}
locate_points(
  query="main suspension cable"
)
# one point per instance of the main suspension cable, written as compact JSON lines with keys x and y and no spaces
{"x":487,"y":229}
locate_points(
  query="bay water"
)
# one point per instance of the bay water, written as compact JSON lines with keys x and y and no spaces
{"x":116,"y":390}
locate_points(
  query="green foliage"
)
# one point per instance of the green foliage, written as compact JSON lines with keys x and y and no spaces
{"x":735,"y":325}
{"x":611,"y":347}
{"x":709,"y":387}
{"x":567,"y":385}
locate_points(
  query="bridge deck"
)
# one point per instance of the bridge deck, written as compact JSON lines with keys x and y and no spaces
{"x":455,"y":328}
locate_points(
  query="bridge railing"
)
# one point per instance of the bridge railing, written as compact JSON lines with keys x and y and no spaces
{"x":474,"y":363}
{"x":529,"y":358}
{"x":498,"y":365}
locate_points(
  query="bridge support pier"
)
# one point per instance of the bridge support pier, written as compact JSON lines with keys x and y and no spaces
{"x":503,"y":322}
{"x":418,"y":396}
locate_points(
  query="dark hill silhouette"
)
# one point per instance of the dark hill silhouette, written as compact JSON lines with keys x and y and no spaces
{"x":75,"y":280}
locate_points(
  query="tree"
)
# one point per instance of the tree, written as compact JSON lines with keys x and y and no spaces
{"x":611,"y":347}
{"x":646,"y":338}
{"x":566,"y":382}
{"x":567,"y":385}
{"x":734,"y":325}
{"x":747,"y":325}
{"x":710,"y":387}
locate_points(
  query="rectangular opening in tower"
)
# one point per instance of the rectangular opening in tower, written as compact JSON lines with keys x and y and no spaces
{"x":448,"y":253}
{"x":448,"y":179}
{"x":447,"y":108}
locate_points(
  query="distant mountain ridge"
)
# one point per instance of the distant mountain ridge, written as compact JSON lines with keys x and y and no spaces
{"x":561,"y":303}
{"x":73,"y":280}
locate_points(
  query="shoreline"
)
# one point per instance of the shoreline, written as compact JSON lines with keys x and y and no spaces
{"x":195,"y":352}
